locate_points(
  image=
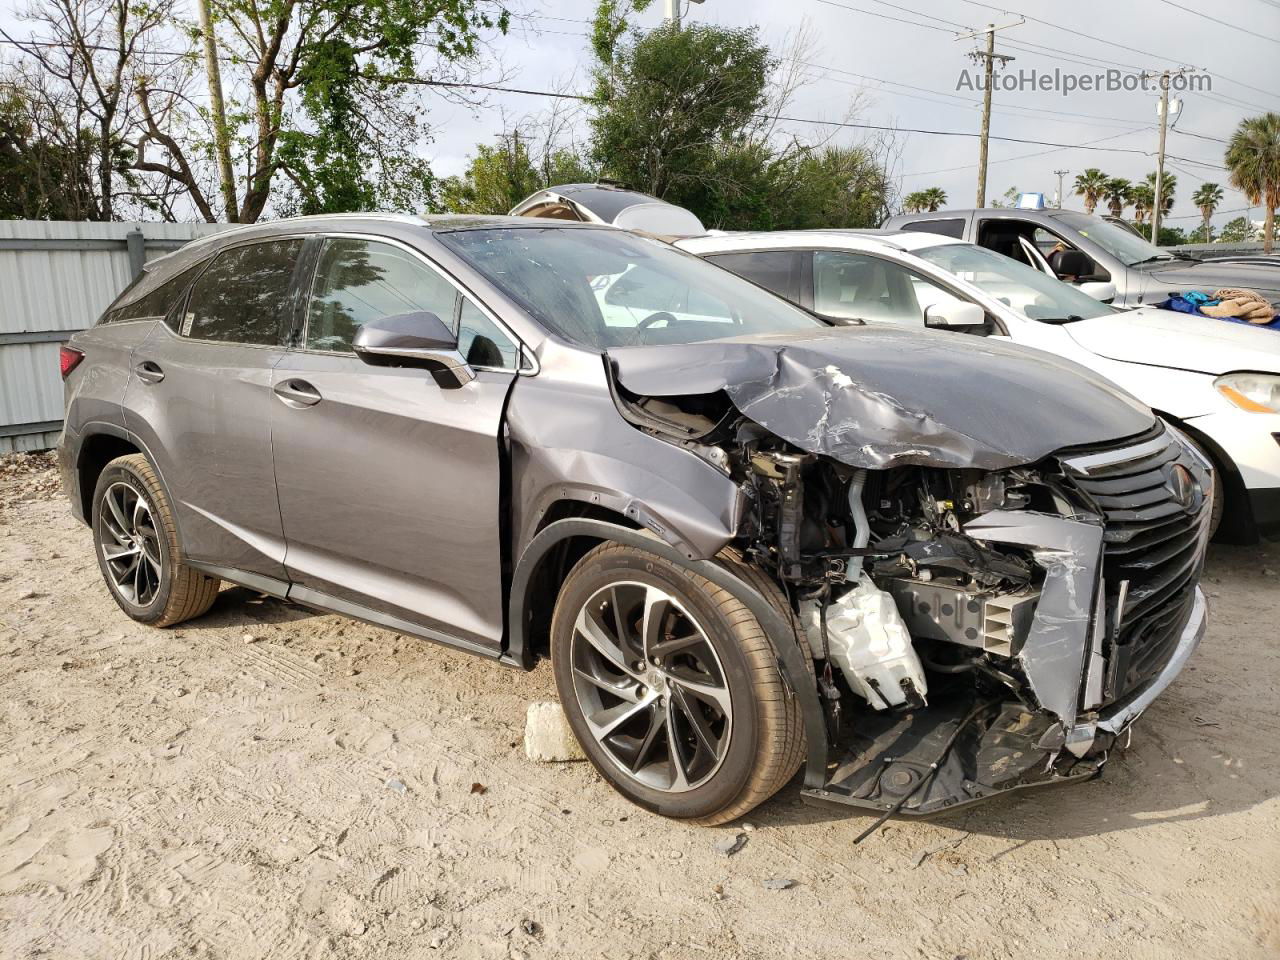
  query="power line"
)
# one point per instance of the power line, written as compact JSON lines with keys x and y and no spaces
{"x":1027,"y":156}
{"x":1198,"y":136}
{"x":885,"y":16}
{"x":1233,"y":26}
{"x":1112,"y":43}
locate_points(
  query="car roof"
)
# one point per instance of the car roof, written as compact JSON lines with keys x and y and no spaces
{"x":949,"y":214}
{"x":903,"y":240}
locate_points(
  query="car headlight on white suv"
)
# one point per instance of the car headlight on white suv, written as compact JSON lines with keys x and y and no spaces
{"x":1255,"y":392}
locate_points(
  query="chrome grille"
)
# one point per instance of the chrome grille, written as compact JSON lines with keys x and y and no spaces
{"x":1153,"y":550}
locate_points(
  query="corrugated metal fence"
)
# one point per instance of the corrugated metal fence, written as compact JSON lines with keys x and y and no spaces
{"x":57,"y":278}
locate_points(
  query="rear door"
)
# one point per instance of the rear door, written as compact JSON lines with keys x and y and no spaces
{"x":200,"y":397}
{"x":389,"y":483}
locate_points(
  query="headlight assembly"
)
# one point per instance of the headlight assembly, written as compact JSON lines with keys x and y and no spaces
{"x":1255,"y":392}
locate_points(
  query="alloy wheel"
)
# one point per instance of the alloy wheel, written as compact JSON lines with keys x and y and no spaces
{"x":651,"y":687}
{"x":130,"y":544}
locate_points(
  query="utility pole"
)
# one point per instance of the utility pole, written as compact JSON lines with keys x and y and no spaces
{"x":1163,"y":110}
{"x":1060,"y":174}
{"x":988,"y":58}
{"x":673,"y":11}
{"x":221,"y":146}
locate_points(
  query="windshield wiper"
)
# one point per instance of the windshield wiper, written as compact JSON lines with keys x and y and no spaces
{"x":1070,"y":318}
{"x":1158,"y":256}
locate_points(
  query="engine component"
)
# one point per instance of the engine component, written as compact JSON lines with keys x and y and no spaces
{"x":995,"y":623}
{"x":868,"y":641}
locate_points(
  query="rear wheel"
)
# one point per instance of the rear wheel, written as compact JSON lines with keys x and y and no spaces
{"x":672,"y":687}
{"x":136,"y":541}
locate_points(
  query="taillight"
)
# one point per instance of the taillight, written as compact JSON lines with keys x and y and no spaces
{"x":69,"y":358}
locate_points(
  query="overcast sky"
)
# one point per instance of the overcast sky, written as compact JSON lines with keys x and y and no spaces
{"x":909,"y":73}
{"x":906,"y":74}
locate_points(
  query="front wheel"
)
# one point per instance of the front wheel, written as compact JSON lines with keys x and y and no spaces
{"x":672,"y":687}
{"x":136,"y":540}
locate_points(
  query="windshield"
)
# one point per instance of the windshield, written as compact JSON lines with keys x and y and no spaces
{"x":1030,"y":292}
{"x":605,"y":288}
{"x":1126,"y":246}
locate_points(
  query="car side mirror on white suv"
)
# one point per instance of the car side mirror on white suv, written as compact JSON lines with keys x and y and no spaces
{"x":945,"y":316}
{"x":418,"y":339}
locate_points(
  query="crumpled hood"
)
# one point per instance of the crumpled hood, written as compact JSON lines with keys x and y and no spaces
{"x":881,"y":396}
{"x":1180,"y":341}
{"x":1184,"y":275}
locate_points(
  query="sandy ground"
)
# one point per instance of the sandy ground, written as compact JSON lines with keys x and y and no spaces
{"x":266,"y":782}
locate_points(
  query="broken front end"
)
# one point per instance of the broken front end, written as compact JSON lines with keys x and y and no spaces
{"x":971,"y":630}
{"x":976,"y":632}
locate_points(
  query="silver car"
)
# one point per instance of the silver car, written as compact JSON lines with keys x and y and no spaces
{"x":748,"y":539}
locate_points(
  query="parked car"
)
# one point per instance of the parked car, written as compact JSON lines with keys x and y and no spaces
{"x":1086,"y":249}
{"x":731,"y":525}
{"x":1218,"y":381}
{"x":611,"y":203}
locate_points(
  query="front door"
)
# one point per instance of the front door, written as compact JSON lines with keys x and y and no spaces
{"x":200,"y":395}
{"x":389,"y":483}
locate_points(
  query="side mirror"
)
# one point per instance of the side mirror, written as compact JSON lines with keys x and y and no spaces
{"x":1106,"y":292}
{"x":1073,"y":263}
{"x":418,"y":339}
{"x":946,"y":316}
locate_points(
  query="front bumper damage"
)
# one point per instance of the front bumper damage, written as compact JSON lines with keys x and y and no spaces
{"x":1012,"y":748}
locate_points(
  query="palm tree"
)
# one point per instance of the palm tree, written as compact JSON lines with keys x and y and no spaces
{"x":1207,"y":199}
{"x":1253,"y":157}
{"x":1117,"y":195}
{"x":1168,"y":187}
{"x":1143,"y":198}
{"x":924,"y":200}
{"x":1091,"y":185}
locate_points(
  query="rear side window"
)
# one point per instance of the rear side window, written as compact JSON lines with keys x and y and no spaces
{"x":776,"y":270}
{"x":243,"y":295}
{"x":360,"y":280}
{"x":158,"y":303}
{"x":944,"y":228}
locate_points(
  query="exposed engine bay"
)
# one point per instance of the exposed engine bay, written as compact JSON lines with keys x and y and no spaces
{"x":963,"y":623}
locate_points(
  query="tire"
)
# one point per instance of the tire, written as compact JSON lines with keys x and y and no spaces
{"x":739,"y":734}
{"x":137,"y":547}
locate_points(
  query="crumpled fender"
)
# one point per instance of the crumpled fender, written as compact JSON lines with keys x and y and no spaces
{"x":567,"y":441}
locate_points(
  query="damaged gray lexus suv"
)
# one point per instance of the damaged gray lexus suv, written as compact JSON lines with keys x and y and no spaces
{"x":749,"y":541}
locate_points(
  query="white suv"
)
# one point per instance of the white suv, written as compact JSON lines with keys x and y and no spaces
{"x":1219,"y":381}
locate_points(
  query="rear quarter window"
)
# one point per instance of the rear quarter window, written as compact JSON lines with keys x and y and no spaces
{"x":950,"y":227}
{"x":160,"y":303}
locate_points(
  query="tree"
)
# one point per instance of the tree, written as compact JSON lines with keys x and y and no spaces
{"x":1143,"y":198}
{"x":1168,"y":187}
{"x":670,"y":102}
{"x":1091,"y":185}
{"x":1007,"y":199}
{"x":1253,"y":159}
{"x":1238,"y":230}
{"x":45,"y":170}
{"x":1207,"y":197}
{"x":82,"y":64}
{"x":1117,"y":193}
{"x":929,"y":200}
{"x":1201,"y":234}
{"x":498,"y":178}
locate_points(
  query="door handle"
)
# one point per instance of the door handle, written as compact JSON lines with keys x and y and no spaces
{"x":296,"y":393}
{"x":149,"y":371}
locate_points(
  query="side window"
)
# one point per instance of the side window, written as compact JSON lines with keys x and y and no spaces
{"x":156,"y":304}
{"x":361,"y":280}
{"x":776,"y":270}
{"x":947,"y":228}
{"x":854,"y":286}
{"x":243,"y":295}
{"x":482,"y":342}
